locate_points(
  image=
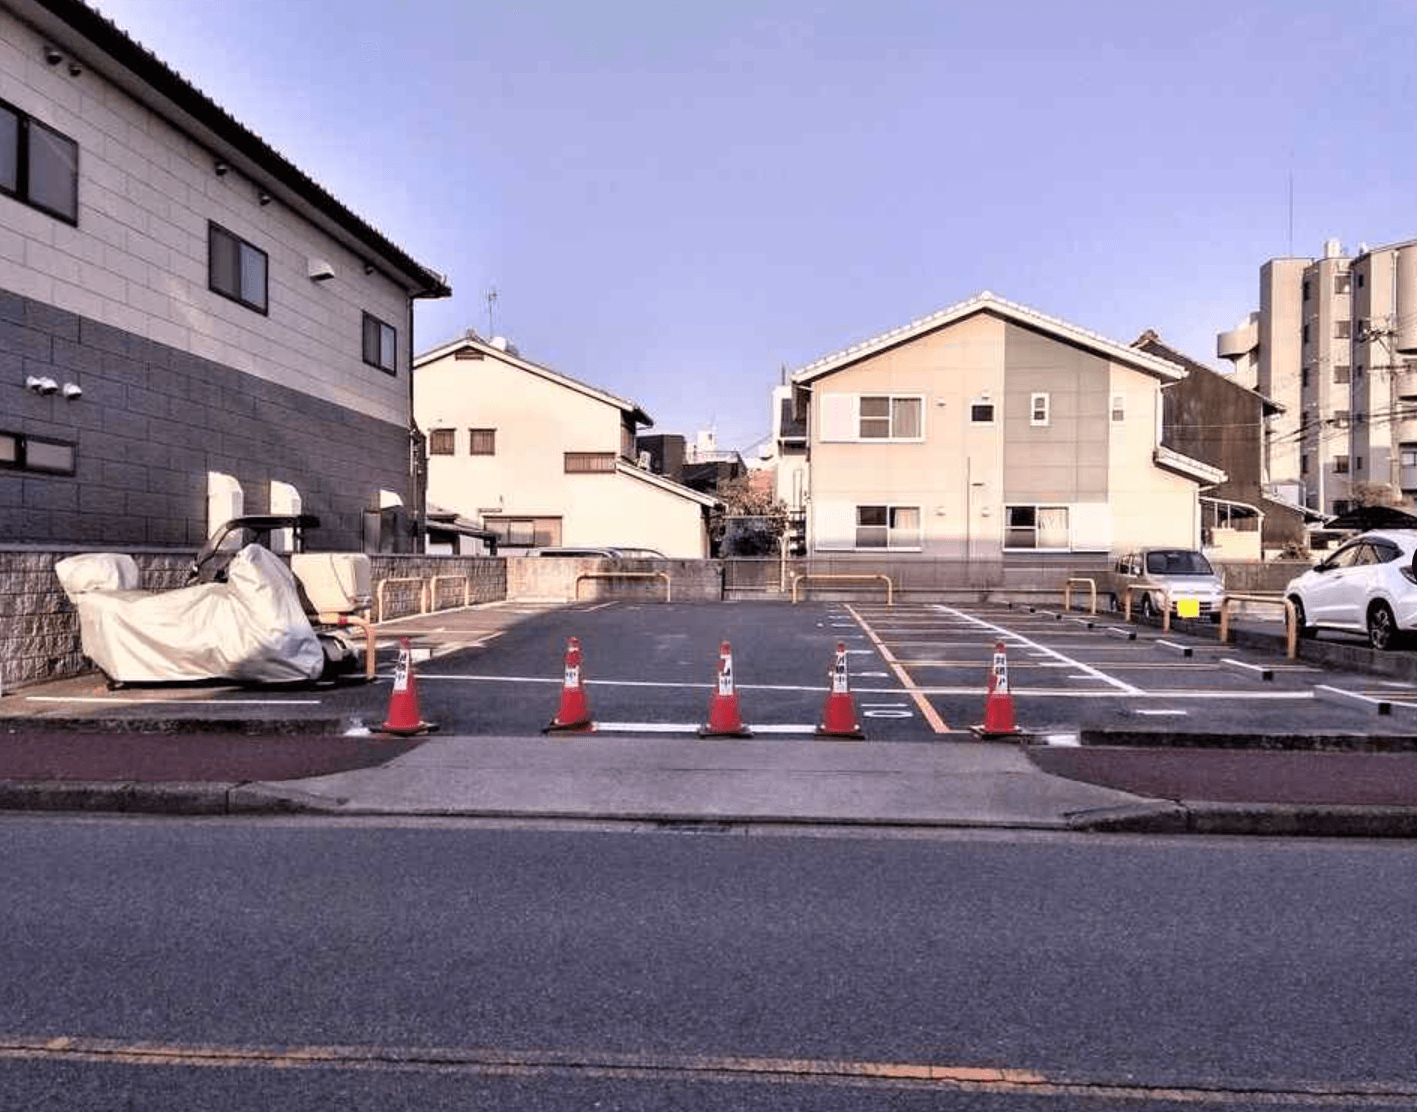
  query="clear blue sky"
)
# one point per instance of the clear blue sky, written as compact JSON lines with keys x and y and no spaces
{"x":675,"y":200}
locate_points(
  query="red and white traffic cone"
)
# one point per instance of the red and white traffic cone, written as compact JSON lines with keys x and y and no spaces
{"x":725,"y":719}
{"x":839,"y":717}
{"x":403,"y":717}
{"x":999,"y":703}
{"x":573,"y":715}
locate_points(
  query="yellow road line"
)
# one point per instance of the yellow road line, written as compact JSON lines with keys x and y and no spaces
{"x":923,"y":704}
{"x":513,"y":1062}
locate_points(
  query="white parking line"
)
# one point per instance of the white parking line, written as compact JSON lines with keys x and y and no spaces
{"x":1091,"y":671}
{"x":693,"y":728}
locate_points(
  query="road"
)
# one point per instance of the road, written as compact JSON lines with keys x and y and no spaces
{"x":180,"y":964}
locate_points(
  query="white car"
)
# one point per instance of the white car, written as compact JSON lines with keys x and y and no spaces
{"x":1367,"y":586}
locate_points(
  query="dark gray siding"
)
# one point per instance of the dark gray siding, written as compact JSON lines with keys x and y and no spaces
{"x":153,"y":420}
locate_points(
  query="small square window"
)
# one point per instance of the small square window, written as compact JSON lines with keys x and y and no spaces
{"x":1342,"y":329}
{"x":442,"y":442}
{"x":236,"y":269}
{"x":1340,"y":465}
{"x":380,"y":344}
{"x":1119,"y":407}
{"x":1340,"y":283}
{"x":482,"y":442}
{"x":38,"y":165}
{"x":981,"y":412}
{"x":1342,"y":372}
{"x":1038,"y":409}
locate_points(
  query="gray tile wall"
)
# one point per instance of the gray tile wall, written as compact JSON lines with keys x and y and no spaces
{"x":153,"y":420}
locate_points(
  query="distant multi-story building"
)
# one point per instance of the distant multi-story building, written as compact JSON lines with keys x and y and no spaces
{"x":1331,"y":344}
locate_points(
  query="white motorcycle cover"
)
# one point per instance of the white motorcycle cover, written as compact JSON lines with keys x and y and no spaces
{"x":250,"y":628}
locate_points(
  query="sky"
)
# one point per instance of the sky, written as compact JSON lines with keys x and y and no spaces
{"x":676,"y":201}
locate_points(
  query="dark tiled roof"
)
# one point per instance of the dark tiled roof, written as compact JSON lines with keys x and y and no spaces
{"x":1150,"y":343}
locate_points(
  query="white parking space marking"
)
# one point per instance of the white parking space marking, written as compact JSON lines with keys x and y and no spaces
{"x":1159,"y":713}
{"x":1091,"y":671}
{"x":693,"y":728}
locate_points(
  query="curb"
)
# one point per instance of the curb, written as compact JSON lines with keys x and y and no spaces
{"x":170,"y":724}
{"x":1264,"y":819}
{"x":167,"y":797}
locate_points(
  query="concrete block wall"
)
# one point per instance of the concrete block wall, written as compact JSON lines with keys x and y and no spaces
{"x":545,"y":578}
{"x":486,"y":581}
{"x":153,"y":420}
{"x":39,"y":629}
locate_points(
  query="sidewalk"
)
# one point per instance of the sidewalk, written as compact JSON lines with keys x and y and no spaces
{"x":940,"y":784}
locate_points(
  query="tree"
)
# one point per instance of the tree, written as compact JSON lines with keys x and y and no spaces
{"x":1373,"y":494}
{"x":750,"y":521}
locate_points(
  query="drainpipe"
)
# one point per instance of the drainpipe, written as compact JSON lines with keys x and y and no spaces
{"x":418,"y":459}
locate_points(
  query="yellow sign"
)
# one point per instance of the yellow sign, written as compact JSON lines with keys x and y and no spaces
{"x":1188,"y":608}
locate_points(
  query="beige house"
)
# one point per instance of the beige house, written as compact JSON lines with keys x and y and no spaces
{"x":541,"y":459}
{"x":990,"y":429}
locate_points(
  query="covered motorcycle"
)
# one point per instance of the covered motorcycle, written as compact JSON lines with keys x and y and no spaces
{"x":250,"y":627}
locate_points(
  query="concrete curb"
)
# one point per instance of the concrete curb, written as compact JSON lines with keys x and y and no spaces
{"x":1306,"y":820}
{"x":167,"y":797}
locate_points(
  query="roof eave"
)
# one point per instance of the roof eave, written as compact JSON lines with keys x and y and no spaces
{"x":111,"y":51}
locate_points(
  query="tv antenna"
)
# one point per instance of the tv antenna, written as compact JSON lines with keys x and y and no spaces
{"x":491,"y":301}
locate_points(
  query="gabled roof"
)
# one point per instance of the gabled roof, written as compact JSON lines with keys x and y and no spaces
{"x":987,"y":302}
{"x":471,"y":342}
{"x":1150,"y":342}
{"x":623,"y":468}
{"x":101,"y":45}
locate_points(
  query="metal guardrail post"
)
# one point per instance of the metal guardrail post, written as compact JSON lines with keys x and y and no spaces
{"x":664,"y":575}
{"x":362,"y":623}
{"x":1291,"y":628}
{"x":801,"y":576}
{"x":1165,"y":603}
{"x":422,"y":592}
{"x":433,"y":588}
{"x":1092,"y":592}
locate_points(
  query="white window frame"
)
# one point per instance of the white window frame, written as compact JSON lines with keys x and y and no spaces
{"x":993,"y":411}
{"x":1040,"y":410}
{"x":890,"y":508}
{"x":1036,"y":507}
{"x":841,"y":418}
{"x":1118,"y":411}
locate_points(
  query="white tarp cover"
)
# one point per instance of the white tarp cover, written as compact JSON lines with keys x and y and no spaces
{"x":250,"y":628}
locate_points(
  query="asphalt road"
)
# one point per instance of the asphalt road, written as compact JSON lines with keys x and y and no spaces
{"x":216,"y":964}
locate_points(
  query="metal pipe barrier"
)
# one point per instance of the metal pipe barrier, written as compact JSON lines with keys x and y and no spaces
{"x":1291,"y":628}
{"x":1165,"y":603}
{"x":433,"y":588}
{"x":363,"y":623}
{"x":422,"y":593}
{"x":664,"y":575}
{"x":800,"y":576}
{"x":1091,"y":590}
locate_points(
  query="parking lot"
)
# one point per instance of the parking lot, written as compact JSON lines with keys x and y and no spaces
{"x":918,"y":671}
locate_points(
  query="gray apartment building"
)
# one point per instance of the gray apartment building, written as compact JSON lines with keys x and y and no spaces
{"x":190,"y":326}
{"x":1333,"y":343}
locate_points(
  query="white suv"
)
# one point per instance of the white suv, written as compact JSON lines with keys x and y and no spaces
{"x":1367,"y":586}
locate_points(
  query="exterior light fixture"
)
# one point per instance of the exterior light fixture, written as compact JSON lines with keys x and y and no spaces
{"x":75,"y":69}
{"x":263,"y":197}
{"x":52,"y":56}
{"x":220,"y":167}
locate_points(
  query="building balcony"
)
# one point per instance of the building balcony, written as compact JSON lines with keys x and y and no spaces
{"x":1239,"y":341}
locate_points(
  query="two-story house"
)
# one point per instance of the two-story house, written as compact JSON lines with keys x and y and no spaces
{"x":542,"y":459}
{"x":991,"y":431}
{"x":191,"y":327}
{"x":1214,"y":418}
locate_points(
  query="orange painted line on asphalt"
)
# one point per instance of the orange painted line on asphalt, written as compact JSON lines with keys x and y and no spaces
{"x":658,"y":1067}
{"x":923,"y":704}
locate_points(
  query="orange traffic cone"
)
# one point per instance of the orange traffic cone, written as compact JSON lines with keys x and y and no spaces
{"x":403,"y":717}
{"x":725,"y":719}
{"x":573,"y":715}
{"x":839,"y":718}
{"x":999,"y":703}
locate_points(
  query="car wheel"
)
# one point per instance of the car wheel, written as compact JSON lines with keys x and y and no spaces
{"x":1148,"y":608}
{"x":1382,"y":627}
{"x":1115,"y":603}
{"x":1299,"y":616}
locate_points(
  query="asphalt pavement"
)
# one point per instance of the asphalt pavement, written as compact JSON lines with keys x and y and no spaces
{"x":205,"y":749}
